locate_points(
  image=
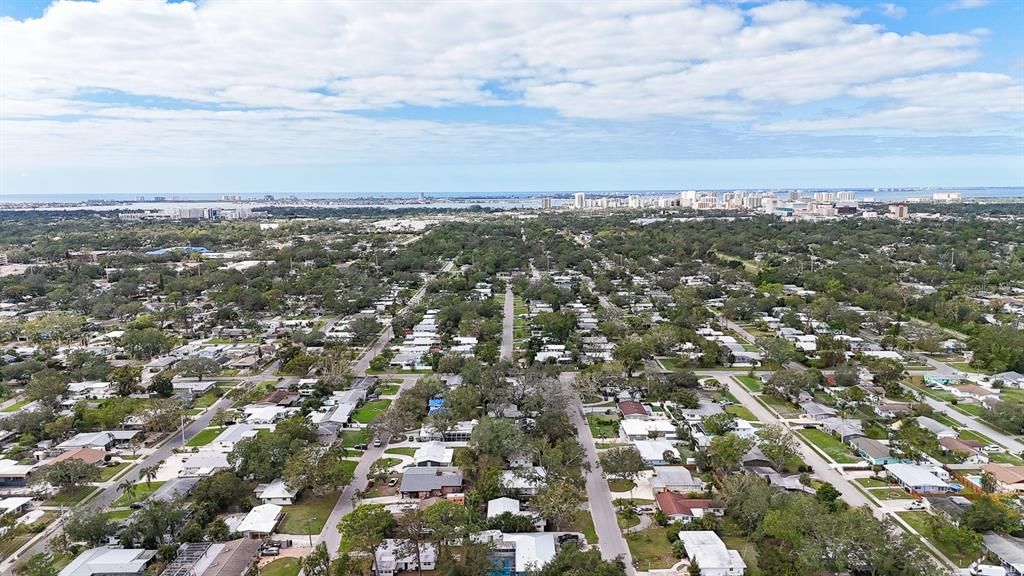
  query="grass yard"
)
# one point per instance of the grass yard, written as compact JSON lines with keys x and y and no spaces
{"x":741,"y":412}
{"x":17,"y":406}
{"x":973,"y":409}
{"x":389,"y":462}
{"x":205,"y":436}
{"x":282,"y":567}
{"x":388,"y":389}
{"x":940,"y":417}
{"x":919,"y":522}
{"x":620,"y":485}
{"x":142,"y":491}
{"x":673,"y":364}
{"x":118,"y":515}
{"x":353,"y":438}
{"x":402,"y":451}
{"x":108,"y":472}
{"x":72,"y":497}
{"x":349,"y":466}
{"x":1012,"y":394}
{"x":652,"y":546}
{"x":750,"y":383}
{"x":965,"y":367}
{"x":308,"y":515}
{"x":585,"y":524}
{"x":966,"y":434}
{"x":369,"y":411}
{"x":747,"y":550}
{"x":784,"y":409}
{"x":890,"y":493}
{"x":208,"y":399}
{"x":602,"y":426}
{"x":871,"y":483}
{"x":830,"y":445}
{"x":1004,"y":458}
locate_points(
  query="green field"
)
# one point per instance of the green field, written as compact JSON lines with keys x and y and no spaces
{"x":603,"y":426}
{"x":750,"y":383}
{"x":620,"y":485}
{"x":388,"y":389}
{"x":72,"y":497}
{"x":402,"y":451}
{"x":585,"y":524}
{"x":830,"y":445}
{"x":784,"y":409}
{"x":871,"y":483}
{"x":308,"y":515}
{"x":205,"y":436}
{"x":369,"y":411}
{"x":208,"y":399}
{"x":919,"y":522}
{"x":352,"y":438}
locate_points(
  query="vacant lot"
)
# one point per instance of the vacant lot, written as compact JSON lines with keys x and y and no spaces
{"x":205,"y":436}
{"x":603,"y":426}
{"x":750,"y":383}
{"x":308,"y":515}
{"x":367,"y":412}
{"x":829,"y":445}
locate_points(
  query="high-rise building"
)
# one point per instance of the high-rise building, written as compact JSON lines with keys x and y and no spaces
{"x":545,"y":203}
{"x":3,"y":259}
{"x":845,"y":196}
{"x":824,"y":197}
{"x":687,"y":198}
{"x":634,"y":201}
{"x":794,"y":195}
{"x":898,"y":211}
{"x":579,"y":200}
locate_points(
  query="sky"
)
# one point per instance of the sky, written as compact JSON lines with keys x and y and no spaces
{"x":314,"y":96}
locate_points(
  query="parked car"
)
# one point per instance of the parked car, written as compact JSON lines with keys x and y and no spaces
{"x":993,"y":448}
{"x":378,"y":442}
{"x":392,"y":482}
{"x":270,"y":551}
{"x":360,"y":446}
{"x":915,"y":505}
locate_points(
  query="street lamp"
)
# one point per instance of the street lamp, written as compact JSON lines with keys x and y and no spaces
{"x":309,"y":531}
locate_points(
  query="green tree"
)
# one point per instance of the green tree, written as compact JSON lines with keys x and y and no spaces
{"x":366,"y":527}
{"x":777,"y":444}
{"x":37,"y":565}
{"x":317,"y":562}
{"x":631,"y":352}
{"x":558,"y":503}
{"x":162,"y":385}
{"x":67,"y":475}
{"x":126,"y":379}
{"x":718,"y":424}
{"x":89,"y":525}
{"x":318,"y":468}
{"x":571,"y":561}
{"x":47,"y":387}
{"x":197,"y":367}
{"x":727,"y":451}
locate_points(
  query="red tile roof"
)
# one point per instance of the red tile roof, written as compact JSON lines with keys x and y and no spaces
{"x":631,"y":408}
{"x":673,"y":504}
{"x":87,"y":455}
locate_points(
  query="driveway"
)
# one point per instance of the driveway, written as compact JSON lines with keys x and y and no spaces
{"x":508,"y":323}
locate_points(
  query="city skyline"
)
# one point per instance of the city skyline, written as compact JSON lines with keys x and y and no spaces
{"x":154,"y":98}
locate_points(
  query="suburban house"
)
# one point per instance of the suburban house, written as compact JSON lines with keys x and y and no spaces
{"x":105,"y":440}
{"x":524,"y":481}
{"x":203,"y":463}
{"x":705,"y":549}
{"x":1010,"y":379}
{"x":115,"y":561}
{"x":433,"y":454}
{"x":935,"y":427}
{"x":189,"y":389}
{"x":675,"y":479}
{"x":817,"y":411}
{"x":260,"y":521}
{"x":500,"y":506}
{"x":632,"y":410}
{"x":917,"y":479}
{"x":276,"y":492}
{"x":632,"y":430}
{"x":845,"y":429}
{"x":679,"y":507}
{"x":232,"y":435}
{"x":657,"y":452}
{"x":969,"y":450}
{"x":87,"y":455}
{"x":1008,"y":478}
{"x":13,"y":474}
{"x":890,"y":410}
{"x":1008,"y":549}
{"x":873,"y":451}
{"x":952,"y":507}
{"x":518,"y":554}
{"x":390,"y":558}
{"x":430,"y":482}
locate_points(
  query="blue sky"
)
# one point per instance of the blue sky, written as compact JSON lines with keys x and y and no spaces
{"x":148,"y":97}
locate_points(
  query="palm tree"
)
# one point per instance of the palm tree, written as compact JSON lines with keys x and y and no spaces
{"x":149,"y":473}
{"x":127,"y":488}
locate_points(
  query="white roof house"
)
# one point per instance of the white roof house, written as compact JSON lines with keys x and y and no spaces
{"x":105,"y":560}
{"x":919,"y":479}
{"x":705,"y":549}
{"x":260,"y":520}
{"x":632,"y":429}
{"x":232,"y":435}
{"x":525,"y":481}
{"x":935,"y":427}
{"x":277,"y":492}
{"x":261,"y":414}
{"x":653,"y":451}
{"x":433,"y":454}
{"x":500,"y":506}
{"x":390,"y":558}
{"x":204,"y":463}
{"x":533,"y":550}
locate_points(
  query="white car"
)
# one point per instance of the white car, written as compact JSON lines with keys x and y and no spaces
{"x":993,"y":448}
{"x":915,"y":505}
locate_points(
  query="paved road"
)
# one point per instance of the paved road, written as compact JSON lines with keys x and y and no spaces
{"x":612,"y":544}
{"x":330,"y":534}
{"x":508,"y":324}
{"x":821,"y":467}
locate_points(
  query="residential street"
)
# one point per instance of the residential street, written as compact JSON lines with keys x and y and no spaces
{"x":612,"y":544}
{"x":508,"y":323}
{"x":821,"y":467}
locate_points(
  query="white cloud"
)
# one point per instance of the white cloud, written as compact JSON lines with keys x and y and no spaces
{"x":273,"y":81}
{"x":894,"y":11}
{"x":965,"y":4}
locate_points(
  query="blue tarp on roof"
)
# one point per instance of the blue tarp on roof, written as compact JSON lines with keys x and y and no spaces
{"x":435,"y":405}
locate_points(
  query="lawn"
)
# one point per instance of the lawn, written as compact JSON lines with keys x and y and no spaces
{"x":890,"y":493}
{"x":1008,"y":394}
{"x":741,"y":412}
{"x":972,"y":435}
{"x":17,"y":405}
{"x":402,"y":451}
{"x":353,"y":438}
{"x":972,"y":409}
{"x":673,"y":364}
{"x":919,"y":522}
{"x":1004,"y":458}
{"x":940,"y":417}
{"x":205,"y":436}
{"x":369,"y":411}
{"x":784,"y":409}
{"x":108,"y":472}
{"x":118,"y":515}
{"x":208,"y":399}
{"x":349,"y":466}
{"x":652,"y":546}
{"x":585,"y":524}
{"x":72,"y":497}
{"x":965,"y":367}
{"x":746,"y":549}
{"x":389,"y":462}
{"x":829,"y":445}
{"x":602,"y":426}
{"x":388,"y":389}
{"x":871,"y":483}
{"x":141,"y":492}
{"x":750,"y":383}
{"x":308,"y":515}
{"x":282,"y":567}
{"x":620,"y":485}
